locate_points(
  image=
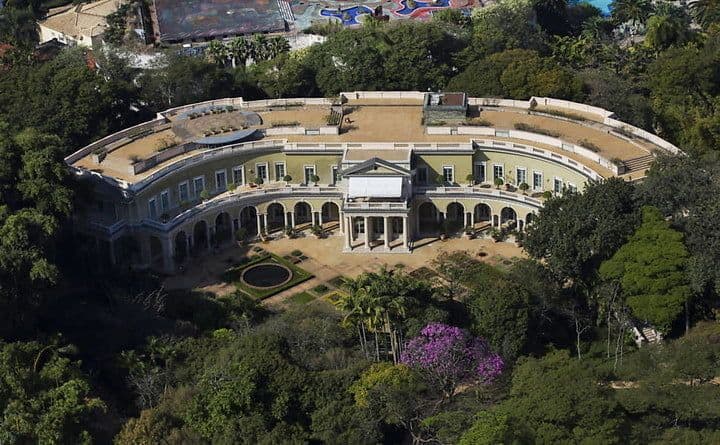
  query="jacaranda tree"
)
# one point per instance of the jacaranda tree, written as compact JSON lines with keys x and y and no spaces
{"x":447,"y":356}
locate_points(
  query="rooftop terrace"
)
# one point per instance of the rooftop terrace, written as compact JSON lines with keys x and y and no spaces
{"x":581,"y":133}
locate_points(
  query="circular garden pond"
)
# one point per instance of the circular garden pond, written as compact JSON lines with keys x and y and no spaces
{"x":266,"y":275}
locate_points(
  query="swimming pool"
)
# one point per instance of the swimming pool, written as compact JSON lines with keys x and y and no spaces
{"x":348,"y":16}
{"x":420,"y":5}
{"x":602,"y":5}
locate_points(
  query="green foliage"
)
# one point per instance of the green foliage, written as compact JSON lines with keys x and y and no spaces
{"x":44,"y":396}
{"x":651,"y":269}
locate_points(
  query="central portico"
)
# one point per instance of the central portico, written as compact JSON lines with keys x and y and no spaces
{"x":377,"y":204}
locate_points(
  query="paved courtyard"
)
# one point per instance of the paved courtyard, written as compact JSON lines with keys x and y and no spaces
{"x":326,"y":261}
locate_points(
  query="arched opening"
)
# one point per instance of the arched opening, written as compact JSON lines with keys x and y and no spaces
{"x":223,"y":228}
{"x":508,"y":216}
{"x":181,"y":252}
{"x":330,"y":212}
{"x":156,"y":253}
{"x":529,"y":218}
{"x":248,"y":220}
{"x":303,"y":213}
{"x":482,"y":213}
{"x":428,"y":218}
{"x":200,"y":240}
{"x":455,"y":217}
{"x":275,"y":217}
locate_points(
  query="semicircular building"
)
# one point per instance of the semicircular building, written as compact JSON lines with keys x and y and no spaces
{"x":380,"y":169}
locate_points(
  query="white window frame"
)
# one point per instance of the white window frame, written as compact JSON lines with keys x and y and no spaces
{"x":241,"y":169}
{"x":165,"y":194}
{"x":196,"y":194}
{"x":452,"y":173}
{"x":535,"y":172}
{"x":571,"y":187}
{"x":425,"y":169}
{"x":307,"y":180}
{"x":502,"y":175}
{"x":275,"y":167}
{"x":152,"y":208}
{"x":266,"y":179}
{"x":483,"y":166}
{"x":555,"y":181}
{"x":187,"y":192}
{"x":517,"y":175}
{"x":224,"y":173}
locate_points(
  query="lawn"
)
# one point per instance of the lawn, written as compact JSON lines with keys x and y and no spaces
{"x":301,"y":298}
{"x":233,"y":274}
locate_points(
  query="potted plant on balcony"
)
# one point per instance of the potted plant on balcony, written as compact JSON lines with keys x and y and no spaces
{"x":440,"y":180}
{"x":287,"y":179}
{"x":470,"y":179}
{"x":241,"y":236}
{"x":498,"y":182}
{"x":547,"y":194}
{"x":469,"y":232}
{"x":204,"y":195}
{"x":231,"y":187}
{"x":317,"y":230}
{"x":315,"y":179}
{"x":524,"y":187}
{"x":290,"y":232}
{"x":258,"y":180}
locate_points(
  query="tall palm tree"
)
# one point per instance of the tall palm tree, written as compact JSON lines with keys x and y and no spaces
{"x":706,"y":12}
{"x":217,"y":52}
{"x":278,"y":45}
{"x":635,"y":11}
{"x":259,"y":47}
{"x":239,"y":50}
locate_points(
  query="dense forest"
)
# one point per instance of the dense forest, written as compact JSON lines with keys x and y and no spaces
{"x":535,"y":352}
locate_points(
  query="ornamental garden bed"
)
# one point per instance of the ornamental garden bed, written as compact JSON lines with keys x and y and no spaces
{"x":235,"y":275}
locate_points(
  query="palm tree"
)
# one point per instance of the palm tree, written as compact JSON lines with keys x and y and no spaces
{"x":217,"y":52}
{"x":706,"y":12}
{"x":277,"y":45}
{"x":635,"y":11}
{"x":259,"y":47}
{"x":239,"y":50}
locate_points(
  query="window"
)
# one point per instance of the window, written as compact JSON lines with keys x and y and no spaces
{"x":449,"y":174}
{"x":335,"y":174}
{"x":165,"y":200}
{"x":498,"y":171}
{"x":537,"y":181}
{"x":261,"y":171}
{"x":220,"y":180}
{"x":557,"y":185}
{"x":480,"y":172}
{"x":422,"y":175}
{"x":152,"y":208}
{"x":520,"y":175}
{"x":571,"y":187}
{"x":309,"y":173}
{"x":279,"y":171}
{"x":183,"y":193}
{"x":238,"y":175}
{"x":198,"y":185}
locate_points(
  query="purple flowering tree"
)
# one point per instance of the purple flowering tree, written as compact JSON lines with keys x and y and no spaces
{"x":448,"y":356}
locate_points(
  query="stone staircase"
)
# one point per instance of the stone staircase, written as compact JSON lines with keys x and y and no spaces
{"x":639,"y":164}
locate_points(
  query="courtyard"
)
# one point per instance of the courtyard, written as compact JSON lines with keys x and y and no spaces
{"x":325,"y":262}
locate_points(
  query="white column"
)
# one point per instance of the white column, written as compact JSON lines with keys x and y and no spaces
{"x":168,"y":260}
{"x":341,"y":221}
{"x":472,"y":218}
{"x":320,"y":217}
{"x":386,"y":220}
{"x":367,"y":233}
{"x":292,"y":219}
{"x":265,"y":223}
{"x":285,"y":218}
{"x":348,"y":235}
{"x":406,"y":227}
{"x":259,"y":225}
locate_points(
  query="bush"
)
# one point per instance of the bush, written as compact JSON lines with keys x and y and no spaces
{"x":204,"y":195}
{"x":537,"y":130}
{"x":315,"y":179}
{"x":258,"y":180}
{"x":498,"y":182}
{"x":590,"y":146}
{"x":287,"y":178}
{"x":320,"y":289}
{"x":524,"y":186}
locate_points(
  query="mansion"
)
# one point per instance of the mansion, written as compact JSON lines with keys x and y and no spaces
{"x":379,"y":169}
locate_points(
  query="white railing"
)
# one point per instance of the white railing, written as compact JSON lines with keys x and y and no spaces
{"x":416,"y":95}
{"x":375,"y":205}
{"x":479,"y":192}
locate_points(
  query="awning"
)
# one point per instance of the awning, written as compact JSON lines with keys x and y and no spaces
{"x":384,"y":187}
